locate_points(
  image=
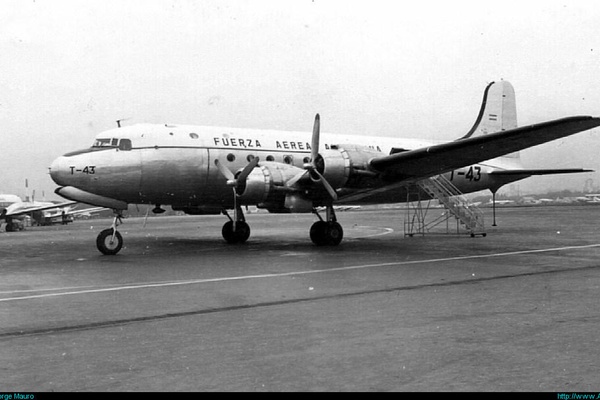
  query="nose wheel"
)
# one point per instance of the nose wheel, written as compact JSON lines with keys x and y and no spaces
{"x":109,"y":241}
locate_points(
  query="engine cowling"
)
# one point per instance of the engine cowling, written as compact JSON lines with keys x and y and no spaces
{"x":263,"y":183}
{"x":341,"y":165}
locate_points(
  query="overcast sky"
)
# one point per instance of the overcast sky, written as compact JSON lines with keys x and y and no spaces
{"x":70,"y":69}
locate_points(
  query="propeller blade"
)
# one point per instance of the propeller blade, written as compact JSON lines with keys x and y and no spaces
{"x":326,"y":185}
{"x":314,"y":151}
{"x":247,"y":170}
{"x":225,"y":171}
{"x":235,"y":210}
{"x":296,"y":178}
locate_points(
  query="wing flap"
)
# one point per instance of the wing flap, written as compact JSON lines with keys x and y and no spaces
{"x":434,"y":160}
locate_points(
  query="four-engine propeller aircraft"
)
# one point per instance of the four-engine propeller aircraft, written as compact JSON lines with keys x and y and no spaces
{"x":208,"y":170}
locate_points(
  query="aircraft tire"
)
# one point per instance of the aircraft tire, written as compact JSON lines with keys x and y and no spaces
{"x":105,"y":245}
{"x":326,"y":233}
{"x":240,"y":235}
{"x":335,"y":234}
{"x":318,"y":231}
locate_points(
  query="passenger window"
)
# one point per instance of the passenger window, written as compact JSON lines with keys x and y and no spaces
{"x":288,"y":159}
{"x":125,"y":144}
{"x":270,"y":158}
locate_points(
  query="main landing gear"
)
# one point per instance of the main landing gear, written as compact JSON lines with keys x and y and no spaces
{"x":236,"y":230}
{"x":326,"y":232}
{"x":110,"y":241}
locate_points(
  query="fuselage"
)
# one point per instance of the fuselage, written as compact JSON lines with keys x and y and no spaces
{"x":175,"y":164}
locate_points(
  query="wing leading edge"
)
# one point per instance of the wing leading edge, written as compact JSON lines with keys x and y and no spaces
{"x":428,"y":161}
{"x":20,"y":209}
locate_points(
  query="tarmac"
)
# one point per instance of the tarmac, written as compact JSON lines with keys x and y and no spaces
{"x":178,"y":309}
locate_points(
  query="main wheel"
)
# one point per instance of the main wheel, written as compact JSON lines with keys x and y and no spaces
{"x":240,"y":235}
{"x":10,"y":227}
{"x":326,"y":233}
{"x":318,"y":231}
{"x":106,"y":244}
{"x":335,"y":233}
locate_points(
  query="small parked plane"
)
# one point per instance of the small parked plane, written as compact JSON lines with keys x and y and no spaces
{"x":14,"y":211}
{"x":209,"y":170}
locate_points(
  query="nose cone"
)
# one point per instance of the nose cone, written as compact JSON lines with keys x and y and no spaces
{"x":59,"y":171}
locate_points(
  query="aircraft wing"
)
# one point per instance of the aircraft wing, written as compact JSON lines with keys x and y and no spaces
{"x":89,"y":210}
{"x":429,"y":161}
{"x":20,"y":210}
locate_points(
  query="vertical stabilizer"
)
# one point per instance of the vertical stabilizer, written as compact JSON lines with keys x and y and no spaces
{"x":498,"y":110}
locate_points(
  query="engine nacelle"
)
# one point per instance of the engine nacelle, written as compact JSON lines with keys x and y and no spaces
{"x":261,"y":184}
{"x":340,"y":164}
{"x":335,"y":166}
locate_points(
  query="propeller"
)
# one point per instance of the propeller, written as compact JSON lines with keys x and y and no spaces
{"x":237,"y":182}
{"x":315,"y":175}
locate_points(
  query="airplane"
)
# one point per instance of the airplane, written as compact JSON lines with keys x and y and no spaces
{"x":501,"y":202}
{"x":209,"y":170}
{"x":14,"y":211}
{"x":589,"y":198}
{"x":8,"y":199}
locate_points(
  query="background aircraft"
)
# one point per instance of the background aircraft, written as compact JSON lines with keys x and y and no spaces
{"x":14,"y":211}
{"x":200,"y":170}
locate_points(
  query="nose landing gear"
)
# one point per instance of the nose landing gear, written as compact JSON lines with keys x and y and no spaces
{"x":110,"y":241}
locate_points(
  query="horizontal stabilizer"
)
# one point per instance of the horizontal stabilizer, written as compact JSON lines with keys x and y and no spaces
{"x":530,"y":172}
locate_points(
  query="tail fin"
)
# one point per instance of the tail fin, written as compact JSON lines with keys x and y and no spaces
{"x":498,"y":110}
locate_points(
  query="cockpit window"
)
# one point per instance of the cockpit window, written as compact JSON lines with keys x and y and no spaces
{"x":121,"y":144}
{"x":125,"y":144}
{"x":102,"y":143}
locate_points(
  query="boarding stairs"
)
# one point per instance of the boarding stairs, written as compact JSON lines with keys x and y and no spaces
{"x":455,"y":204}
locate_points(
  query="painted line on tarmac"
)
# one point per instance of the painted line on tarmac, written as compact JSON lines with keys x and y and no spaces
{"x":386,"y":231}
{"x":284,"y":274}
